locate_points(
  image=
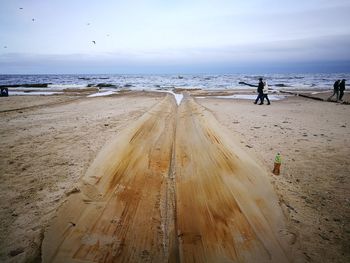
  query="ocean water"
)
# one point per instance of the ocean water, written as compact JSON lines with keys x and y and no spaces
{"x":167,"y":82}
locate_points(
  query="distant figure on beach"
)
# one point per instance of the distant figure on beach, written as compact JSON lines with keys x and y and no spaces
{"x":260,"y":92}
{"x":4,"y":92}
{"x":265,"y":93}
{"x":341,"y":89}
{"x":335,"y":90}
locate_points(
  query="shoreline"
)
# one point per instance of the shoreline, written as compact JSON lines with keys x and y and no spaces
{"x":152,"y":81}
{"x":316,"y":94}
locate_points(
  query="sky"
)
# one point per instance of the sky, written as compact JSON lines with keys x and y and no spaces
{"x":168,"y":36}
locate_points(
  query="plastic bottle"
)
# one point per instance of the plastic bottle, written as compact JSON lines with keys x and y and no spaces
{"x":277,"y":164}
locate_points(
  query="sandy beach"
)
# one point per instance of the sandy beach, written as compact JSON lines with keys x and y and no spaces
{"x":175,"y":182}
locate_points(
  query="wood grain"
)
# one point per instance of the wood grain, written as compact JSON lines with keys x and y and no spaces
{"x":173,"y":187}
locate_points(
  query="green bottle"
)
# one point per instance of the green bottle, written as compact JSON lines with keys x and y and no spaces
{"x":278,"y":158}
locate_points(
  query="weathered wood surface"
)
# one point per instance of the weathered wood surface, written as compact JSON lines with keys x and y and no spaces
{"x":172,"y":187}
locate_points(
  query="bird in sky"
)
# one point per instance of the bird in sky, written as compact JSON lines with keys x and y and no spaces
{"x":107,"y":35}
{"x":88,"y":24}
{"x":5,"y":46}
{"x":33,"y":19}
{"x":93,"y":41}
{"x":21,"y":8}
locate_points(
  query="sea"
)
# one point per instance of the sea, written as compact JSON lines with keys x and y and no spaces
{"x":308,"y":81}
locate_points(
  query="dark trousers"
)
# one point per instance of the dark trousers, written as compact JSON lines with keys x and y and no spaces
{"x":335,"y":92}
{"x":341,"y":94}
{"x":260,"y":97}
{"x":265,"y":97}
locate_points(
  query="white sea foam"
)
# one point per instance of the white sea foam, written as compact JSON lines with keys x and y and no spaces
{"x":33,"y":93}
{"x":100,"y":94}
{"x":178,"y":97}
{"x":66,"y":86}
{"x":248,"y":97}
{"x":188,"y":81}
{"x":319,"y":92}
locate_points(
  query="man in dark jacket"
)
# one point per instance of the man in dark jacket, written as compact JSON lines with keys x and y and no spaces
{"x":4,"y":92}
{"x":335,"y":90}
{"x":341,"y":89}
{"x":260,"y":92}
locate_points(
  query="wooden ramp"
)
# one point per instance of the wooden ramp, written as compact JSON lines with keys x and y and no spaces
{"x":172,"y":187}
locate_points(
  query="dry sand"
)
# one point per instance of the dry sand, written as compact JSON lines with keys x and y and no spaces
{"x":44,"y":151}
{"x":314,"y":186}
{"x":46,"y":148}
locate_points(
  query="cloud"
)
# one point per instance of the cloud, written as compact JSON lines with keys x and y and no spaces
{"x":331,"y":51}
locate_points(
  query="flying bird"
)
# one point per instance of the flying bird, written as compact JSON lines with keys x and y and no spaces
{"x":21,"y":8}
{"x":5,"y":46}
{"x":88,"y":24}
{"x":107,"y":35}
{"x":93,"y":41}
{"x":33,"y":19}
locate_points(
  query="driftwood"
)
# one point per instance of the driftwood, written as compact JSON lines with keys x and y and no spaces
{"x":247,"y":84}
{"x":311,"y":97}
{"x":301,"y":95}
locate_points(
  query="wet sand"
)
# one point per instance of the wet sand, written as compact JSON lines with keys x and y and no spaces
{"x":51,"y":158}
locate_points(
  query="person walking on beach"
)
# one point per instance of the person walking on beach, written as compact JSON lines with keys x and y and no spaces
{"x":335,"y":90}
{"x":341,"y":89}
{"x":4,"y":92}
{"x":260,"y":92}
{"x":265,"y":93}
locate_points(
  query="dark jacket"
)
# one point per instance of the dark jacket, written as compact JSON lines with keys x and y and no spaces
{"x":342,"y":86}
{"x":260,"y":87}
{"x":336,"y":85}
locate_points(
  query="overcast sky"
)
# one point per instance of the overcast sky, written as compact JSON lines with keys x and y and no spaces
{"x":160,"y":36}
